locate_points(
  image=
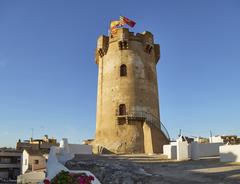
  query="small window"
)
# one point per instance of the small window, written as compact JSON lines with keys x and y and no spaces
{"x":123,"y":45}
{"x":36,"y":161}
{"x":123,"y":70}
{"x":148,"y":49}
{"x":25,"y":161}
{"x":122,"y":109}
{"x":101,"y":52}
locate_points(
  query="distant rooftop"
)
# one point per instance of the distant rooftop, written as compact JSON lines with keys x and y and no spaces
{"x":4,"y":149}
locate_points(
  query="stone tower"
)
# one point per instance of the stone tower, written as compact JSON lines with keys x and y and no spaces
{"x":128,"y":119}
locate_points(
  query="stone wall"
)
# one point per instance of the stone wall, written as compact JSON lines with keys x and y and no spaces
{"x":138,"y":91}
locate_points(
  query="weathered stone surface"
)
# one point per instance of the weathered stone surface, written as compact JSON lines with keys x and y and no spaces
{"x":155,"y":169}
{"x":138,"y":129}
{"x":116,"y":172}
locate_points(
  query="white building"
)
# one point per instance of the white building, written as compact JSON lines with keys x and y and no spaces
{"x":33,"y":160}
{"x":216,"y":139}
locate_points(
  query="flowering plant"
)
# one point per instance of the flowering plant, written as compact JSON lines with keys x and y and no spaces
{"x":65,"y":177}
{"x":46,"y":181}
{"x":85,"y":179}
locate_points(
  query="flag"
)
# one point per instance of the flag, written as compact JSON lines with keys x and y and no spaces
{"x":125,"y":20}
{"x":120,"y":23}
{"x":114,"y":25}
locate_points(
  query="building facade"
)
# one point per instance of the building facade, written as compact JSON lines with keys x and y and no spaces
{"x":33,"y":160}
{"x":128,"y":118}
{"x":9,"y":164}
{"x":37,"y":144}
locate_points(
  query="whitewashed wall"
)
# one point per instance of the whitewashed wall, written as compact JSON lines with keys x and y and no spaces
{"x":170,"y":151}
{"x":177,"y":150}
{"x":199,"y":150}
{"x":182,"y":150}
{"x":230,"y":153}
{"x":80,"y":149}
{"x":54,"y":166}
{"x":24,"y":161}
{"x":67,"y":151}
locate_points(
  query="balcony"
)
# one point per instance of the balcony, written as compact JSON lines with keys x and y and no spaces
{"x":141,"y":116}
{"x":138,"y":116}
{"x":9,"y":165}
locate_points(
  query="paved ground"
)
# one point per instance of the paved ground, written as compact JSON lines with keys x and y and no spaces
{"x":155,"y":169}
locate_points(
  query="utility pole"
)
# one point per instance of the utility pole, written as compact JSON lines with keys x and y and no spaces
{"x":32,"y":133}
{"x":210,"y":136}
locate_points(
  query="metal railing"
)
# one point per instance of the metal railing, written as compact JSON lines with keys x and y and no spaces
{"x":164,"y":130}
{"x":148,"y":117}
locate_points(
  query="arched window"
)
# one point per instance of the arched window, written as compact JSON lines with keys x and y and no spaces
{"x":122,"y":109}
{"x":123,"y":70}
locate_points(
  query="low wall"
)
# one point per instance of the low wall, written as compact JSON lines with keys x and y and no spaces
{"x":209,"y":149}
{"x":80,"y":149}
{"x":229,"y":153}
{"x":31,"y":178}
{"x":182,"y":151}
{"x":170,"y":151}
{"x":177,"y":150}
{"x":199,"y":150}
{"x":54,"y":166}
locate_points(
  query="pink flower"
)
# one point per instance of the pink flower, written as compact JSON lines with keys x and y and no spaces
{"x":91,"y":178}
{"x":81,"y":179}
{"x":46,"y":181}
{"x":85,"y":179}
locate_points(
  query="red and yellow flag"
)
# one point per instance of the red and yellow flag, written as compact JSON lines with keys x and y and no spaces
{"x":114,"y":25}
{"x":125,"y":20}
{"x":120,"y":23}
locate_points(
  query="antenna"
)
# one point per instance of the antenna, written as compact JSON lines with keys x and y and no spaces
{"x":32,"y":132}
{"x":180,"y":132}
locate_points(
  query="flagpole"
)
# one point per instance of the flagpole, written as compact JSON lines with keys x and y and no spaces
{"x":109,"y":31}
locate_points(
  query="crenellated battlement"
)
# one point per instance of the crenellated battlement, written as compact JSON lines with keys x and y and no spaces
{"x":124,"y":37}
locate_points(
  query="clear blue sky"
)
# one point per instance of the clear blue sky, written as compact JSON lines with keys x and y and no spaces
{"x":48,"y":76}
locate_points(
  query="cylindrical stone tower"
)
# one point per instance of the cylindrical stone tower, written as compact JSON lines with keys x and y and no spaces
{"x":128,"y":119}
